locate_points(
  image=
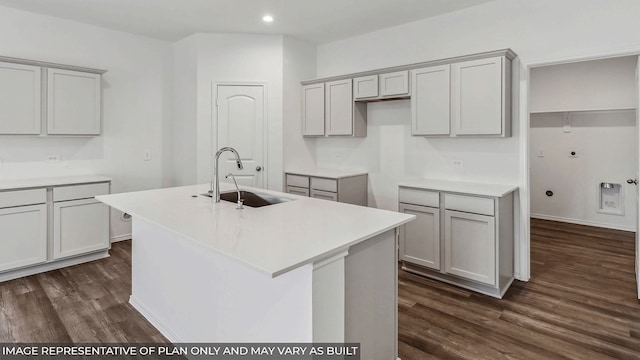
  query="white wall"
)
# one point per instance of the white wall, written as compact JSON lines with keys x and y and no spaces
{"x":606,"y":144}
{"x":538,"y":31}
{"x":137,"y":104}
{"x":299,"y":64}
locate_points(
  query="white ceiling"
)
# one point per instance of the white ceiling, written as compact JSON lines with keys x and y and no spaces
{"x":317,"y":21}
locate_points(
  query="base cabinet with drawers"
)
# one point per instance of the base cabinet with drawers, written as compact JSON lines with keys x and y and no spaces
{"x":51,"y":227}
{"x":461,"y":238}
{"x":351,"y":189}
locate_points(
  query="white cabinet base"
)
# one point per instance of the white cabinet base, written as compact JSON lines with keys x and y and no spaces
{"x":458,"y":281}
{"x":32,"y":270}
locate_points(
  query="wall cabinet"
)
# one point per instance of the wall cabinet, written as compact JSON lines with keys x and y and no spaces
{"x":346,"y":188}
{"x":74,"y":102}
{"x":468,"y":98}
{"x":52,"y":227}
{"x":328,"y":109}
{"x":380,"y":87}
{"x":70,"y":96}
{"x":20,"y":90}
{"x":463,"y":239}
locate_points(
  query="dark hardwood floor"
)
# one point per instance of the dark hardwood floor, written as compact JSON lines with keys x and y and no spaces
{"x":87,"y":303}
{"x":581,"y":303}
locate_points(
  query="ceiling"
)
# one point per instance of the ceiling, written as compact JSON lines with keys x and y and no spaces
{"x":317,"y":21}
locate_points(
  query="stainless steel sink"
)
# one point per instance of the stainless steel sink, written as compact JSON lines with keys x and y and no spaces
{"x":251,"y":199}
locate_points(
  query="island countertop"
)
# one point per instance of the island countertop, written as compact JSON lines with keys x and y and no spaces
{"x":273,"y":239}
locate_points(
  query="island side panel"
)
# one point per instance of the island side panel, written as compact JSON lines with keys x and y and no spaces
{"x":371,"y":296}
{"x":193,"y":294}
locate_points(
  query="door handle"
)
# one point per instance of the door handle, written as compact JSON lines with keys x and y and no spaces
{"x":258,"y":168}
{"x":632,"y":181}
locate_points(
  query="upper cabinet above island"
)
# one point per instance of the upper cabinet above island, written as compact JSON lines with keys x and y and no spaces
{"x":38,"y":98}
{"x":466,"y":96}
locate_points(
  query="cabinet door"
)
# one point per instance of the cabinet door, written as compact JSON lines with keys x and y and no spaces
{"x":19,"y":99}
{"x":365,"y":87}
{"x":24,"y":236}
{"x":339,"y":107}
{"x":394,"y":84}
{"x":313,"y":110}
{"x":79,"y":226}
{"x":298,"y":191}
{"x":325,"y":195}
{"x":470,"y":246}
{"x":430,"y":107}
{"x":477,"y":97}
{"x":74,"y":102}
{"x":420,"y":238}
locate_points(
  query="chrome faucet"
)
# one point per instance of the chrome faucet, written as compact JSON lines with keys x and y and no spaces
{"x":215,"y":182}
{"x":237,"y":189}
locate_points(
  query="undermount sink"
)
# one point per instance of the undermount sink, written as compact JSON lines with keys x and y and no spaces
{"x":251,"y":199}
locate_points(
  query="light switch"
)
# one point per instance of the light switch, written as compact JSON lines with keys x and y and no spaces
{"x":540,"y":152}
{"x":147,"y":155}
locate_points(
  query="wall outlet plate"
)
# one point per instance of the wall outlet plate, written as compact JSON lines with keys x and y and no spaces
{"x":147,"y":155}
{"x":458,"y":164}
{"x":53,"y":158}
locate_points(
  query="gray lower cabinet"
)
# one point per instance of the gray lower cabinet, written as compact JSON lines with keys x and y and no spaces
{"x":345,"y":189}
{"x":51,"y":227}
{"x":462,"y":239}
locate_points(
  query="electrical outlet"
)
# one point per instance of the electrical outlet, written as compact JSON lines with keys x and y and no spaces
{"x":458,"y":164}
{"x":53,"y":158}
{"x":338,"y":155}
{"x":147,"y":155}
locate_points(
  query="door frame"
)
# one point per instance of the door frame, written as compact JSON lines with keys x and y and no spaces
{"x":524,"y":247}
{"x":265,"y":127}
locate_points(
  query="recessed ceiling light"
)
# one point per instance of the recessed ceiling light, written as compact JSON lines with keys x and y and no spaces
{"x":267,"y":18}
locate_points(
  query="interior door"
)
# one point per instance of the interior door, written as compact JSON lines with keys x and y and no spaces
{"x":240,"y":124}
{"x":636,"y":182}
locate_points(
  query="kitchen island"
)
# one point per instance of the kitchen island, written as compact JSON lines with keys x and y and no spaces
{"x":304,"y":270}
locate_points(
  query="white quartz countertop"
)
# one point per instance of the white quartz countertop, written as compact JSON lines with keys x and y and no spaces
{"x":475,"y":188}
{"x":326,"y":173}
{"x":50,"y":181}
{"x":273,"y":239}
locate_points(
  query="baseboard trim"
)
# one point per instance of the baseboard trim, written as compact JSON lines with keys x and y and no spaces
{"x":583,"y":222}
{"x":120,"y":238}
{"x":157,"y":323}
{"x":53,"y":265}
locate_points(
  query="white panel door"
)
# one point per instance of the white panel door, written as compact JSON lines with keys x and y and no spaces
{"x":430,"y":107}
{"x":339,"y":107}
{"x":240,"y":125}
{"x":477,"y":97}
{"x":19,"y":99}
{"x":74,"y":102}
{"x":24,"y":236}
{"x":420,"y":239}
{"x":470,"y":246}
{"x":79,"y":227}
{"x":313,"y":110}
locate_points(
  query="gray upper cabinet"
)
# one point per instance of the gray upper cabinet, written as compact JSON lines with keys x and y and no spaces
{"x":20,"y":89}
{"x":380,"y":87}
{"x":73,"y":102}
{"x":339,"y":107}
{"x":430,"y":107}
{"x":328,"y":109}
{"x":394,"y":84}
{"x":365,"y":87}
{"x":313,"y":110}
{"x":69,"y":96}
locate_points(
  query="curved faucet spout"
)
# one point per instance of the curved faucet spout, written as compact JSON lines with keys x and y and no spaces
{"x":215,"y":182}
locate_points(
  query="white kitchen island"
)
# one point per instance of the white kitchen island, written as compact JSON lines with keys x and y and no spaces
{"x":305,"y":270}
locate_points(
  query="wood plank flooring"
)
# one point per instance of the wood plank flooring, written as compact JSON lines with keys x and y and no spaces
{"x":86,"y":303}
{"x":581,"y":303}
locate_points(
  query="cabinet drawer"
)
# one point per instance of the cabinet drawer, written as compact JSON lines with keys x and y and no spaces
{"x":419,"y":197}
{"x":324,"y":184}
{"x":298,"y":191}
{"x":64,"y":193}
{"x":23,"y":197}
{"x":470,"y":204}
{"x":297,"y":180}
{"x":325,"y":195}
